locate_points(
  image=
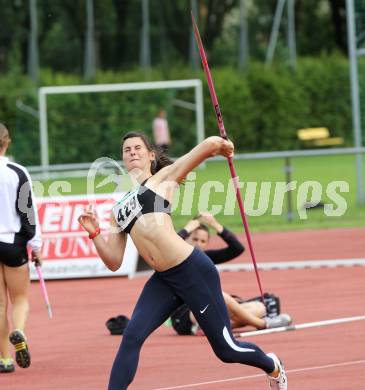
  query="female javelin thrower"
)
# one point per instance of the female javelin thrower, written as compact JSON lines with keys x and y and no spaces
{"x":19,"y":227}
{"x":182,"y":273}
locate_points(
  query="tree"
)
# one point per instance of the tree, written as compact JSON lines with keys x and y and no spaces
{"x":178,"y":22}
{"x":320,"y":27}
{"x":13,"y":35}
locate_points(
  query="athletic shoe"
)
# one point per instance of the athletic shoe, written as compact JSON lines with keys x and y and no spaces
{"x":22,"y":355}
{"x":281,"y":381}
{"x":6,"y":365}
{"x":278,"y":321}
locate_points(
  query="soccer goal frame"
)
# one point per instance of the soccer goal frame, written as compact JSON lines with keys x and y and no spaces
{"x":43,"y":92}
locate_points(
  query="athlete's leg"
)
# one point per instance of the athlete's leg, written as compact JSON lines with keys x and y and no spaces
{"x":4,"y":323}
{"x":197,"y":282}
{"x":240,"y":316}
{"x":18,"y":282}
{"x":256,"y":308}
{"x":155,"y":304}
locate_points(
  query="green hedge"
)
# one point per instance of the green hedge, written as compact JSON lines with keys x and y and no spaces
{"x":262,"y":109}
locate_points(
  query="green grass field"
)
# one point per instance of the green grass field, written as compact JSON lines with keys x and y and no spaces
{"x":319,"y":170}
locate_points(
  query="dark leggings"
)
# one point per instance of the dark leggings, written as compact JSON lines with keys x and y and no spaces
{"x":196,"y":282}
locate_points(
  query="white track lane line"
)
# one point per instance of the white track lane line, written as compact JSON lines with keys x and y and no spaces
{"x":305,"y":325}
{"x":241,"y":378}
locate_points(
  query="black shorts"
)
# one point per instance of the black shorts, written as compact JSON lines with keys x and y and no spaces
{"x":13,"y":255}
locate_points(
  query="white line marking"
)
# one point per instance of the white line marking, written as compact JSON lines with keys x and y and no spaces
{"x":300,"y":326}
{"x":231,"y":343}
{"x":299,"y":264}
{"x":240,"y":378}
{"x":282,"y":265}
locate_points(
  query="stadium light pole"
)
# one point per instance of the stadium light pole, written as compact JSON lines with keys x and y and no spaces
{"x":193,"y":52}
{"x":274,"y":32}
{"x":355,"y":98}
{"x":145,"y":38}
{"x":243,"y":54}
{"x":89,"y":64}
{"x":33,"y":58}
{"x":291,"y":34}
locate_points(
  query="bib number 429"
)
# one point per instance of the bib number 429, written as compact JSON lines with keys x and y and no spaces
{"x":125,"y":211}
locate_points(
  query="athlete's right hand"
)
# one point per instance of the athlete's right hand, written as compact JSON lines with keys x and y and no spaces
{"x":37,"y":257}
{"x":227,"y":148}
{"x":192,"y":225}
{"x":88,"y":220}
{"x":209,"y":220}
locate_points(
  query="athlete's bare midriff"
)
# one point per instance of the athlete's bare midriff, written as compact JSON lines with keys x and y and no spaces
{"x":157,"y":242}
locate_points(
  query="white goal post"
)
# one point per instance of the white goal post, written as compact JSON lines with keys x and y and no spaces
{"x":43,"y":92}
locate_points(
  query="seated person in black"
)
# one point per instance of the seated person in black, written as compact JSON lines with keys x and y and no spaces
{"x":242,"y":313}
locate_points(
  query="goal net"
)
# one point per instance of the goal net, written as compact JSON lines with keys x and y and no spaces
{"x":81,"y":123}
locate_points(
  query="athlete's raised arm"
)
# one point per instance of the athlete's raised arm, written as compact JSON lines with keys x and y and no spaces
{"x":210,"y":147}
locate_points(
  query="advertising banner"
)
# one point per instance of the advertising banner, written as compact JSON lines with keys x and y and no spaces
{"x":67,"y":250}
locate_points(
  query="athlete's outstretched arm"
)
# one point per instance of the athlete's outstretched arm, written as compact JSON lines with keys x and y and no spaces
{"x":210,"y":147}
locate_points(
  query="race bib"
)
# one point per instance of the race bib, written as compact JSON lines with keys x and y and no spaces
{"x":128,"y":208}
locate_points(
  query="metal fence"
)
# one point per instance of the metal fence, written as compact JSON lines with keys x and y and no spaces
{"x":81,"y":169}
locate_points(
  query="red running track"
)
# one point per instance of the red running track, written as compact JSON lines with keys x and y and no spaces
{"x":75,"y":351}
{"x":325,"y":244}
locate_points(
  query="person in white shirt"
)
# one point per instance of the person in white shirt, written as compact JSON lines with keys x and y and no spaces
{"x":19,"y":228}
{"x":161,"y":132}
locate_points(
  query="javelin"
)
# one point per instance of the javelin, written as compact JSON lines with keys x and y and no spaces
{"x":43,"y":287}
{"x":300,"y":326}
{"x":223,"y":134}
